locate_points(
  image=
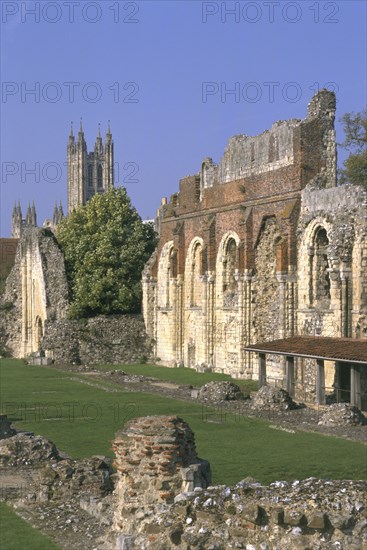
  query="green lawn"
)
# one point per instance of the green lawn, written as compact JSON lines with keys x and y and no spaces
{"x":82,"y":421}
{"x":17,"y":534}
{"x":181,"y":375}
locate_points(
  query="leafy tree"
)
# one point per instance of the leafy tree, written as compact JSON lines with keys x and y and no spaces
{"x":106,"y":245}
{"x":355,"y":131}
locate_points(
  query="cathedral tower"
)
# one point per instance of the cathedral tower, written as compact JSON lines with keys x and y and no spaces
{"x":88,"y":173}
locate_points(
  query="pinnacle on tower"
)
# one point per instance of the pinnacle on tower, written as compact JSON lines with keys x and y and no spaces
{"x":33,"y":215}
{"x":81,"y":133}
{"x":98,"y":146}
{"x":16,"y":221}
{"x":71,"y":135}
{"x":108,"y":134}
{"x":28,"y":216}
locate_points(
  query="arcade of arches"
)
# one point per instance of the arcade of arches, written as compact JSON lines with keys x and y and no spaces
{"x":256,"y":249}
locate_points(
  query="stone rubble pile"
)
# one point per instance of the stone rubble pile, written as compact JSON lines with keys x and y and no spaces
{"x":342,"y":414}
{"x":309,"y":515}
{"x":26,"y":449}
{"x":221,"y":391}
{"x":129,"y":378}
{"x":63,"y":479}
{"x":66,"y":523}
{"x":271,"y":398}
{"x":51,"y":476}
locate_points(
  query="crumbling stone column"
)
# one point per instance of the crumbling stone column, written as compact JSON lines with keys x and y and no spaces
{"x":155,"y":461}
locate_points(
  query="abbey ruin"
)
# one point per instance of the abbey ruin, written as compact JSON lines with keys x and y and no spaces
{"x":261,"y":247}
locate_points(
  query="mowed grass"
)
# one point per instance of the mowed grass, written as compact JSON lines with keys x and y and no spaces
{"x":17,"y":534}
{"x":82,"y":420}
{"x":181,"y":375}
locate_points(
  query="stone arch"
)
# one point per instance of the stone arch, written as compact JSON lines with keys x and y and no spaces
{"x":164,"y":275}
{"x":319,"y":284}
{"x":313,"y":262}
{"x":193,"y":273}
{"x":227,"y":269}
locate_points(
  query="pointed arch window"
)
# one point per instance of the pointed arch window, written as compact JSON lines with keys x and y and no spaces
{"x":99,"y":177}
{"x":320,"y":278}
{"x":90,"y":175}
{"x":196,"y":284}
{"x":229,"y":267}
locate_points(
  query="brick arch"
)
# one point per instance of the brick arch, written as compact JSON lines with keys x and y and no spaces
{"x":223,"y":246}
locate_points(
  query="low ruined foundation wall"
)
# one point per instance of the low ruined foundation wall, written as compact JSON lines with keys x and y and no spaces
{"x":163,"y":500}
{"x":117,"y":339}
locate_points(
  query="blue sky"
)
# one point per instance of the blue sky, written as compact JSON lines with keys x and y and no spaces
{"x":162,"y":72}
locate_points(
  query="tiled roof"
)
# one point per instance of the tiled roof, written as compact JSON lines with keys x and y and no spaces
{"x":335,"y":349}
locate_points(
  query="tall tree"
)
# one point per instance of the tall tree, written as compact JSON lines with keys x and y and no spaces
{"x":106,"y":245}
{"x":355,"y":132}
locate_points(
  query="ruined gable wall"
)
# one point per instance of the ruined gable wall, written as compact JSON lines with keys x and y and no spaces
{"x":36,"y":290}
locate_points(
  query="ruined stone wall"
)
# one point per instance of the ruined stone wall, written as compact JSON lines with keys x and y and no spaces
{"x":163,"y":500}
{"x":252,"y":196}
{"x":155,"y":460}
{"x":246,"y":156}
{"x":36,"y":290}
{"x":115,"y":339}
{"x":340,"y":213}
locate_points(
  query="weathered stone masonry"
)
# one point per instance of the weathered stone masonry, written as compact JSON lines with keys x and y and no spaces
{"x":162,"y":500}
{"x":261,"y":246}
{"x":36,"y":291}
